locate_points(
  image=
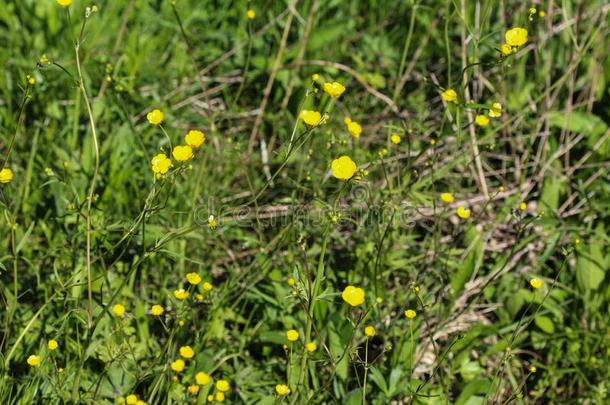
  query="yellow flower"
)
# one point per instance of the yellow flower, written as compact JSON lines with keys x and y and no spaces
{"x":64,"y":3}
{"x":223,"y":385}
{"x":140,"y":402}
{"x":463,"y":212}
{"x":516,"y":36}
{"x":155,"y":117}
{"x":282,"y":390}
{"x":496,"y":110}
{"x":212,"y":222}
{"x":210,"y":398}
{"x":354,"y":296}
{"x":447,"y":198}
{"x":311,"y":118}
{"x":343,"y":168}
{"x":536,"y":283}
{"x":187,"y":352}
{"x":6,"y":175}
{"x":52,"y":345}
{"x":34,"y":360}
{"x":395,"y":139}
{"x":207,"y":286}
{"x":506,"y":49}
{"x":250,"y":14}
{"x":193,"y":389}
{"x":523,"y":206}
{"x":156,"y":310}
{"x":181,"y":294}
{"x":532,"y":369}
{"x":194,"y":138}
{"x":160,"y":164}
{"x":31,"y":80}
{"x":181,"y":322}
{"x":182,"y":153}
{"x":292,"y":335}
{"x":118,"y":310}
{"x":315,"y":77}
{"x":481,"y":120}
{"x":541,"y":13}
{"x":411,"y":314}
{"x":131,"y":399}
{"x":334,"y":89}
{"x":199,"y":297}
{"x":220,"y":397}
{"x":354,"y":129}
{"x":193,"y":278}
{"x":202,"y":378}
{"x":178,"y":365}
{"x":449,"y":95}
{"x":370,"y":331}
{"x":291,"y":282}
{"x":311,"y":347}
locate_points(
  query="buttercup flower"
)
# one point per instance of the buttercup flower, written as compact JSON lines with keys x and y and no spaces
{"x":370,"y":331}
{"x":516,"y":36}
{"x":156,"y":310}
{"x":536,"y":283}
{"x":193,"y":278}
{"x":395,"y":139}
{"x":411,"y":314}
{"x":34,"y":360}
{"x":160,"y":164}
{"x":52,"y":345}
{"x":6,"y":175}
{"x":131,"y":399}
{"x":178,"y":365}
{"x":354,"y":129}
{"x":193,"y":389}
{"x":449,"y":95}
{"x":343,"y":168}
{"x":311,"y":347}
{"x":291,"y":281}
{"x":64,"y":3}
{"x":194,"y":138}
{"x":315,"y":77}
{"x":447,"y":198}
{"x":181,"y":294}
{"x":118,"y":310}
{"x":523,"y":206}
{"x":292,"y":335}
{"x":187,"y":352}
{"x":207,"y":286}
{"x":463,"y":212}
{"x":496,"y":110}
{"x":223,"y":385}
{"x":182,"y":153}
{"x":202,"y":378}
{"x":354,"y":296}
{"x":250,"y":14}
{"x":481,"y":120}
{"x":334,"y":89}
{"x":282,"y":390}
{"x":219,"y":397}
{"x":311,"y":118}
{"x":155,"y":117}
{"x":506,"y":49}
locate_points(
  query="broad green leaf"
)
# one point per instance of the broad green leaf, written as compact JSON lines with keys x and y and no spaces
{"x":545,"y":323}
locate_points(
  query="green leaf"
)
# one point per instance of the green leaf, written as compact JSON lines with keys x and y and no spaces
{"x":579,"y":122}
{"x":589,"y":273}
{"x":545,"y":324}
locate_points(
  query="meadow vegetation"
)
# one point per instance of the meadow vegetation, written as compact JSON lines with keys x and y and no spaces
{"x":304,"y":202}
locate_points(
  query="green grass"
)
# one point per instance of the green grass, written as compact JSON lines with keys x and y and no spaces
{"x":80,"y":234}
